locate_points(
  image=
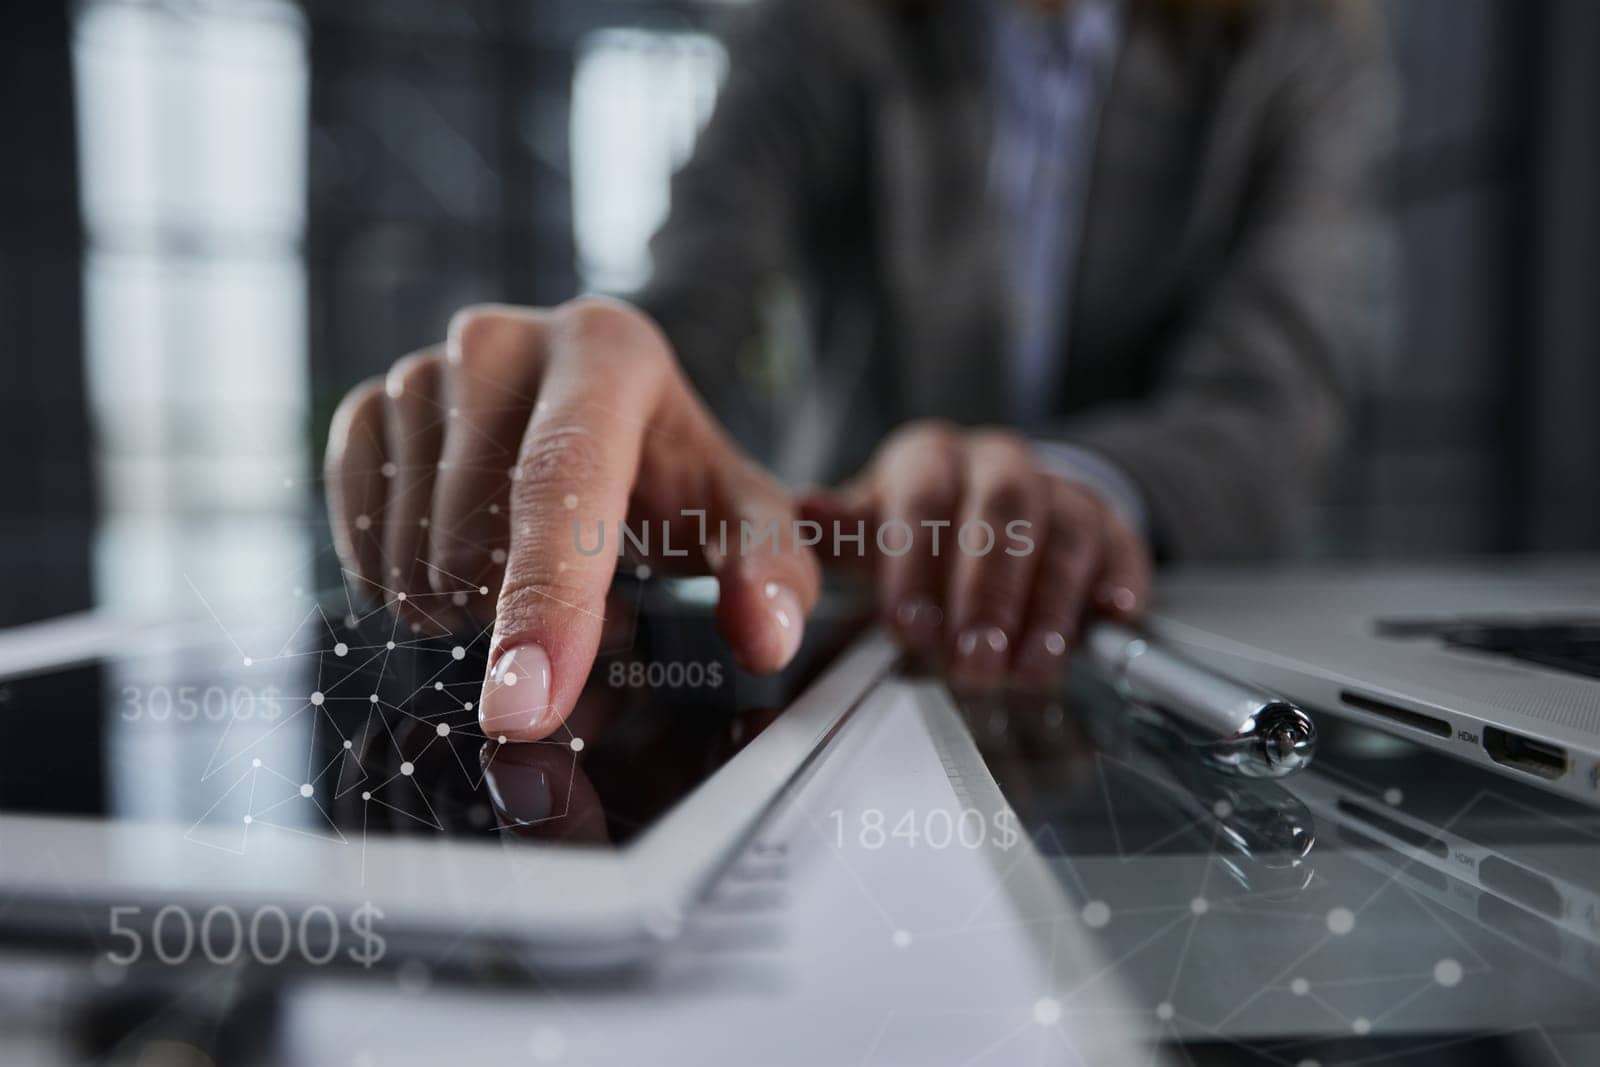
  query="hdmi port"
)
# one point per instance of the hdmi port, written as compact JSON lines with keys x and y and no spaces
{"x":1416,"y":720}
{"x":1524,"y":753}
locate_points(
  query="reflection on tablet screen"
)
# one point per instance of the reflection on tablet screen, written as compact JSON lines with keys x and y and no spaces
{"x":364,"y":728}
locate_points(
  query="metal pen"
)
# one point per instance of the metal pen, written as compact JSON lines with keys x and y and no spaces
{"x":1234,"y":726}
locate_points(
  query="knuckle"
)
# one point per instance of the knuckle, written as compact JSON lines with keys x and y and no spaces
{"x":603,"y":325}
{"x":1077,"y":507}
{"x":570,"y":451}
{"x":414,"y":375}
{"x":358,"y":404}
{"x":923,"y":433}
{"x":1003,"y":445}
{"x":481,"y":332}
{"x":1010,"y":497}
{"x":526,"y":601}
{"x":928,"y":502}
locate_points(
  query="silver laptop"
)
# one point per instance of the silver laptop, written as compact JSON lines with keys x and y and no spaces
{"x":1496,"y":662}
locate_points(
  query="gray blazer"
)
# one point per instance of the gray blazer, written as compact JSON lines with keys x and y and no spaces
{"x":1229,"y":279}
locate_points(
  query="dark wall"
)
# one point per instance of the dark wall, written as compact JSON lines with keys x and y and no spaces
{"x":46,"y":508}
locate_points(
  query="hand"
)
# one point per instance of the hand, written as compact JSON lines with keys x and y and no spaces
{"x":1016,"y":609}
{"x":472,"y":468}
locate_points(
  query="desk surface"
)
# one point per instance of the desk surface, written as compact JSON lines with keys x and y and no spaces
{"x":1387,"y":906}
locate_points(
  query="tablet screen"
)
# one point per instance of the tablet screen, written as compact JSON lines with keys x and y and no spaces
{"x":358,"y":726}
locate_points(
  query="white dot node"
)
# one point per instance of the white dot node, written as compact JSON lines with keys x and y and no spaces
{"x":317,"y":698}
{"x":483,"y":590}
{"x":390,"y":644}
{"x":248,"y":819}
{"x":515,"y":474}
{"x":467,"y":706}
{"x":400,"y":597}
{"x":458,"y":653}
{"x":455,"y":413}
{"x":1096,"y":914}
{"x":569,"y":501}
{"x":1164,"y":1012}
{"x":366,"y":796}
{"x":444,"y":465}
{"x":1361,"y":1025}
{"x":642,"y":572}
{"x":1199,"y":905}
{"x":373,"y":699}
{"x":248,"y":661}
{"x":341,"y":649}
{"x":1447,"y":972}
{"x":389,"y":470}
{"x":255,"y":763}
{"x":406,"y":768}
{"x":348,"y":743}
{"x":498,"y":555}
{"x":1299,"y":987}
{"x":363,"y":522}
{"x":443,"y":729}
{"x":577,"y":744}
{"x":1392,"y":797}
{"x":306,"y":790}
{"x":1341,"y":921}
{"x":1222,"y":809}
{"x":901,"y":938}
{"x":501,"y":739}
{"x":423,"y":522}
{"x":510,"y":678}
{"x":494,"y":509}
{"x":1047,"y":1011}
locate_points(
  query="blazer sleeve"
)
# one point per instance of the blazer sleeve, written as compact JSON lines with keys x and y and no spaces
{"x":1231,"y":450}
{"x":777,"y":141}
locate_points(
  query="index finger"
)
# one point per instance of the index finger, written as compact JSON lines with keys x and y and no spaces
{"x":604,"y":371}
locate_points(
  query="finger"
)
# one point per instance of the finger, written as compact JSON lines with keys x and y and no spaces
{"x":356,"y":487}
{"x":606,"y":368}
{"x":919,"y":482}
{"x":1070,"y":557}
{"x":491,"y":377}
{"x":415,"y":431}
{"x":852,"y":511}
{"x":540,"y":792}
{"x":995,"y":557}
{"x":1123,"y":588}
{"x":767,"y":588}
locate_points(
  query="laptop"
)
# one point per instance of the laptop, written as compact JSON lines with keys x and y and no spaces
{"x":1496,"y":662}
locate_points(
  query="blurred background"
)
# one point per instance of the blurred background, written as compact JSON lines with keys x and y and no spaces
{"x":216,"y":217}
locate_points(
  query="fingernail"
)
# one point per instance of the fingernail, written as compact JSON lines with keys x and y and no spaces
{"x":1118,"y":597}
{"x":919,"y":619}
{"x":1043,"y":655}
{"x":786,"y":612}
{"x":516,"y":696}
{"x":520,"y":793}
{"x":981,"y":653}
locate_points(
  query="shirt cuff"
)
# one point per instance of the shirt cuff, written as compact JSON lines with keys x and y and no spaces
{"x":1096,"y":472}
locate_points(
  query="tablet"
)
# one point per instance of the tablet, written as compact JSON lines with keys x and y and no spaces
{"x":334,"y":802}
